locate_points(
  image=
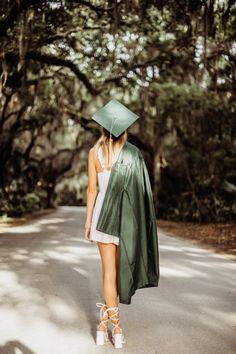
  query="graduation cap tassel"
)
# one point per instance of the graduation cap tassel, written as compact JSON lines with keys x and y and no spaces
{"x":110,"y":149}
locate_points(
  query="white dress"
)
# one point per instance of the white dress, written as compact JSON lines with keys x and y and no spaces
{"x":103,"y":178}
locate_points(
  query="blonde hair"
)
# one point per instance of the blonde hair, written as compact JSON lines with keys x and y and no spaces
{"x":106,"y":141}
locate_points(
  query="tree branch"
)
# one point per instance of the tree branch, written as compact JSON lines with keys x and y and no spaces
{"x":13,"y":13}
{"x":52,"y":60}
{"x":117,"y":78}
{"x":19,"y":6}
{"x":55,"y":61}
{"x":99,"y":10}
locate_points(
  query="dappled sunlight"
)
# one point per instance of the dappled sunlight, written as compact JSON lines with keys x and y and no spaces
{"x":52,"y":227}
{"x":54,"y":242}
{"x":178,"y":258}
{"x":19,"y":230}
{"x":226,"y":317}
{"x":82,"y":271}
{"x":203,"y":289}
{"x":169,"y":248}
{"x":220,"y":264}
{"x":29,"y":302}
{"x":172,"y":67}
{"x":51,"y":221}
{"x":8,"y":281}
{"x":19,"y":257}
{"x":22,"y":251}
{"x":41,"y":281}
{"x":196,"y":250}
{"x":43,"y":337}
{"x":16,"y":296}
{"x":61,"y":310}
{"x":192,"y":254}
{"x":65,"y":256}
{"x":50,"y":281}
{"x":182,"y":272}
{"x":37,"y":261}
{"x":38,"y":224}
{"x":35,"y":226}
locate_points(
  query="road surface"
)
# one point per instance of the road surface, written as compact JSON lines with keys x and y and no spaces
{"x":50,"y":281}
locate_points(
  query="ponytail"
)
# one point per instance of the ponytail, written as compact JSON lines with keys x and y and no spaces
{"x":106,"y":141}
{"x":110,"y":152}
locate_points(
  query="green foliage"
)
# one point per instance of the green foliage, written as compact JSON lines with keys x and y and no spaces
{"x":68,"y":196}
{"x":31,"y":201}
{"x":199,"y":181}
{"x":16,"y":204}
{"x":172,"y":62}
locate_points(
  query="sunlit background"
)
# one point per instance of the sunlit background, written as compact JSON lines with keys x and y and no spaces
{"x":172,"y":62}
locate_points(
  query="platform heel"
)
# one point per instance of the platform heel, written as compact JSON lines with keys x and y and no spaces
{"x":102,"y":335}
{"x":117,"y":338}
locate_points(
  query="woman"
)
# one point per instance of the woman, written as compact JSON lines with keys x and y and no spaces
{"x":120,"y":218}
{"x":100,"y":165}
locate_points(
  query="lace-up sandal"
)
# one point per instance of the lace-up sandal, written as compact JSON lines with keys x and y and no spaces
{"x":117,"y":338}
{"x":102,"y":334}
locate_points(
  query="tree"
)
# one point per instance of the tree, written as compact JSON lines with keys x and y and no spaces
{"x":61,"y":60}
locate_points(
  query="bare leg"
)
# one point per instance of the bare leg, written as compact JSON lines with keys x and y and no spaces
{"x":109,"y":257}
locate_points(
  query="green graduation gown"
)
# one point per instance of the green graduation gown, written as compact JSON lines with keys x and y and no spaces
{"x":128,"y":213}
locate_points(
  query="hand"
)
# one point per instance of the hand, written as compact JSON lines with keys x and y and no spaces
{"x":87,"y":233}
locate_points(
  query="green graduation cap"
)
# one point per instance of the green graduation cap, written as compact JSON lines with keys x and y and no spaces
{"x":115,"y":117}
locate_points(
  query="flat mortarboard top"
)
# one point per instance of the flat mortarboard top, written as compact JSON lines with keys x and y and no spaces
{"x":115,"y":117}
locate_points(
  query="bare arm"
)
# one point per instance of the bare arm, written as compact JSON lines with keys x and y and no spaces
{"x":92,"y":187}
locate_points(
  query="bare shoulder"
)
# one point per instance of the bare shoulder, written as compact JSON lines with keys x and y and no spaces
{"x":92,"y":152}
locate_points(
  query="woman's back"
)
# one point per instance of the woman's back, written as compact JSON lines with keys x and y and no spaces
{"x":103,"y":179}
{"x":104,"y":175}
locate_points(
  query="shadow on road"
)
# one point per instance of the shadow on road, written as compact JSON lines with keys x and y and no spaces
{"x":10,"y":346}
{"x":50,"y":281}
{"x":45,"y":275}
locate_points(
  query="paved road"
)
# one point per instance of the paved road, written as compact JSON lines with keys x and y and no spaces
{"x":50,"y":280}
